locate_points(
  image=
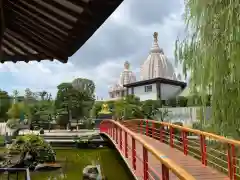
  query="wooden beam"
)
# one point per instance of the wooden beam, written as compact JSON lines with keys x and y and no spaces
{"x":35,"y":18}
{"x":2,"y":27}
{"x":27,"y":50}
{"x":49,"y":39}
{"x":34,"y":45}
{"x":15,"y":49}
{"x":37,"y":38}
{"x":37,"y":10}
{"x":16,"y":58}
{"x":57,"y":10}
{"x":23,"y":19}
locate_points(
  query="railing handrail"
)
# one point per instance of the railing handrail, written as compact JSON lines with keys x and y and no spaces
{"x":178,"y":171}
{"x":195,"y":131}
{"x":27,"y":175}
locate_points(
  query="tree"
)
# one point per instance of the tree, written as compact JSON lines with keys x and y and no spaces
{"x":96,"y":109}
{"x":5,"y":104}
{"x":43,"y":94}
{"x":128,"y":108}
{"x":86,"y":86}
{"x":150,"y":108}
{"x":16,"y":109}
{"x":76,"y":101}
{"x":15,"y":95}
{"x":30,"y":96}
{"x":210,"y":54}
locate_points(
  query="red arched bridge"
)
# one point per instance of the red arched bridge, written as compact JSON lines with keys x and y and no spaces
{"x":162,"y":151}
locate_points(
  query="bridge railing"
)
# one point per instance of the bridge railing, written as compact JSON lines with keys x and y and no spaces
{"x":216,"y":151}
{"x":15,"y":173}
{"x":145,"y":161}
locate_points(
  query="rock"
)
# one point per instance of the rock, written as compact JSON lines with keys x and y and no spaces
{"x":91,"y":172}
{"x":47,"y":166}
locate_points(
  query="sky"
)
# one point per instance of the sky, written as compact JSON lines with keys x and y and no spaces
{"x":126,"y":35}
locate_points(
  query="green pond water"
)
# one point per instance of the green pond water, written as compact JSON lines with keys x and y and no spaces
{"x":73,"y":161}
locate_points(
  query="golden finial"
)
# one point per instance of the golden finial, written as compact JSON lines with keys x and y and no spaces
{"x":155,"y":36}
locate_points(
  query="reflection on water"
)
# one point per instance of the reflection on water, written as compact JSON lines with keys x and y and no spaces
{"x":73,"y":161}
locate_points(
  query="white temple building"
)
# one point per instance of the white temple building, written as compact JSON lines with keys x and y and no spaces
{"x":157,"y":64}
{"x":127,"y":76}
{"x":158,"y":80}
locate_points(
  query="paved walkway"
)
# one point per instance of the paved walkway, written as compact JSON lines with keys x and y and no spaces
{"x":190,"y":164}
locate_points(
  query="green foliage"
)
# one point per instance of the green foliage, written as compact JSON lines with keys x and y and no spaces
{"x":76,"y":99}
{"x":96,"y":109}
{"x":35,"y":145}
{"x":163,"y":114}
{"x":210,"y":53}
{"x":5,"y":104}
{"x":150,"y":108}
{"x":13,"y":123}
{"x":16,"y":109}
{"x":128,"y":108}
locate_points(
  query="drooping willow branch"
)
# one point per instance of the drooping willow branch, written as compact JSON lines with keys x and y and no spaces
{"x":211,"y":53}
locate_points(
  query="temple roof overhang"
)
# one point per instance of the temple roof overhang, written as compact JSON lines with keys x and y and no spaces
{"x":49,"y":29}
{"x":157,"y":80}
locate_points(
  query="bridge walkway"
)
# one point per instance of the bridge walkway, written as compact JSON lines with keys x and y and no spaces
{"x":161,"y":151}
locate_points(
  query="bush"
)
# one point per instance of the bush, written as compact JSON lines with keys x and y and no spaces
{"x":40,"y":150}
{"x":176,"y":131}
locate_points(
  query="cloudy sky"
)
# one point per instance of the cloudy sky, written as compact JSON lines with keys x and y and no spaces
{"x":126,"y":35}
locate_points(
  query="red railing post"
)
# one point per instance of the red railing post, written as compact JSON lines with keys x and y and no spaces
{"x":234,"y":162}
{"x":112,"y":133}
{"x":184,"y":142}
{"x":126,"y":144}
{"x":146,"y":128}
{"x":203,"y":150}
{"x":153,"y":130}
{"x":116,"y":134}
{"x":161,"y":133}
{"x":120,"y":131}
{"x":133,"y":153}
{"x":165,"y":172}
{"x":231,"y":162}
{"x":140,"y":126}
{"x":171,"y":136}
{"x":145,"y":164}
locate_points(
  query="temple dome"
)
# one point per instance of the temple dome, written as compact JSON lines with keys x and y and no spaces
{"x":157,"y":64}
{"x":126,"y":77}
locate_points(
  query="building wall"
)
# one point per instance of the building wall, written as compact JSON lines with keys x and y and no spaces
{"x":169,"y":91}
{"x":140,"y":92}
{"x":186,"y":115}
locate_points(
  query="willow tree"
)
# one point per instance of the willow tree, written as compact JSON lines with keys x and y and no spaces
{"x":210,"y":52}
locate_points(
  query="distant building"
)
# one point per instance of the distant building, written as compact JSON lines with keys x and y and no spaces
{"x":158,"y":80}
{"x":118,"y":90}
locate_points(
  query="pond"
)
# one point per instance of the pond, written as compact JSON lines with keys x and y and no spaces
{"x":73,"y":161}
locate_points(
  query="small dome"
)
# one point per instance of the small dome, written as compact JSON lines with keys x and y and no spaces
{"x":126,"y":76}
{"x":156,"y":64}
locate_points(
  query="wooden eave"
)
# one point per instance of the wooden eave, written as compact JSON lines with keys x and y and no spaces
{"x":49,"y":29}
